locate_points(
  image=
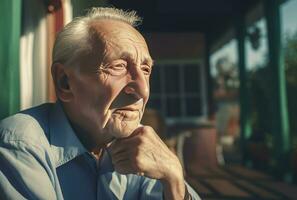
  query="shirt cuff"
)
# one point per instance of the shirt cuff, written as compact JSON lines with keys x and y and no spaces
{"x":187,"y":194}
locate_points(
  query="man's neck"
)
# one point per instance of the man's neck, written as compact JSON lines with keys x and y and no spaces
{"x":97,"y":153}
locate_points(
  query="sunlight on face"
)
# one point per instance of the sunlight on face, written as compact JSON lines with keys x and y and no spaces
{"x":110,"y":96}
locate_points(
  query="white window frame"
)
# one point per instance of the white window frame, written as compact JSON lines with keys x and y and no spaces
{"x":202,"y":94}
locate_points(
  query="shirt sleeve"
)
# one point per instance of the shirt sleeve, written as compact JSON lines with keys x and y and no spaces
{"x":152,"y":189}
{"x":25,"y":172}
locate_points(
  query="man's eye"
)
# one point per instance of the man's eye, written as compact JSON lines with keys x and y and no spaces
{"x":120,"y":66}
{"x":146,"y":69}
{"x":116,"y":68}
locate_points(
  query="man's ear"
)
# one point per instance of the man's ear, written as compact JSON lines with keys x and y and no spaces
{"x":61,"y":82}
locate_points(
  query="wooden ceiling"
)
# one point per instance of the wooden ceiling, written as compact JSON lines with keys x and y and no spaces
{"x":188,"y":15}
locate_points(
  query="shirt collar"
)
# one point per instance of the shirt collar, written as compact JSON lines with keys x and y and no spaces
{"x":106,"y":163}
{"x":63,"y":140}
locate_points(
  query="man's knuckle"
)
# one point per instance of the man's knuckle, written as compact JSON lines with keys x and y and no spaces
{"x":140,"y":141}
{"x":137,"y":165}
{"x":147,"y":129}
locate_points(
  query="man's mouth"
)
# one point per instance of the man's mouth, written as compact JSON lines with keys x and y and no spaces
{"x":128,"y":109}
{"x":128,"y":113}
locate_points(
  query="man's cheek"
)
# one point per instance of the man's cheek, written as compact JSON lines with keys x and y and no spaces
{"x":113,"y":95}
{"x":111,"y":87}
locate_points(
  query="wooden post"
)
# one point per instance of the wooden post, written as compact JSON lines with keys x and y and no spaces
{"x":10,"y":22}
{"x":280,"y":122}
{"x":245,"y":127}
{"x":209,"y":83}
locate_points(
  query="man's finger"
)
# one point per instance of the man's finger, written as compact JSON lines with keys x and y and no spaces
{"x":121,"y":145}
{"x":117,"y":147}
{"x":124,"y":167}
{"x":120,"y":157}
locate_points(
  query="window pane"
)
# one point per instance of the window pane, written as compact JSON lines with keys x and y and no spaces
{"x":193,"y":106}
{"x":172,"y":81}
{"x":173,"y":107}
{"x":155,"y":103}
{"x":155,"y":80}
{"x":192,"y":78}
{"x":256,"y":45}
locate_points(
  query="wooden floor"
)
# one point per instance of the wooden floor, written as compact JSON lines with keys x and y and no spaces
{"x":237,"y":182}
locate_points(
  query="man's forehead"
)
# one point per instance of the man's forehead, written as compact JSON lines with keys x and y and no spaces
{"x":114,"y":27}
{"x":119,"y":36}
{"x":107,"y":29}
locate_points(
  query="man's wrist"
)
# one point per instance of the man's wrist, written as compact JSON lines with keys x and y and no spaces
{"x":174,"y":188}
{"x":187,"y":195}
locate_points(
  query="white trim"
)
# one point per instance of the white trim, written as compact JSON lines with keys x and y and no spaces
{"x":200,"y":94}
{"x":26,"y":70}
{"x":192,"y":120}
{"x":67,"y":11}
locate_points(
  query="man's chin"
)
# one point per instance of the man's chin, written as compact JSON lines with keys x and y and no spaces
{"x":122,"y":131}
{"x":122,"y":135}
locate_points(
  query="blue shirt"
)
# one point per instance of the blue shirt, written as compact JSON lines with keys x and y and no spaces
{"x":41,"y":158}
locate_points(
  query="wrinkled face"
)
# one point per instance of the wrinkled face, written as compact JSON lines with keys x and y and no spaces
{"x":111,"y":87}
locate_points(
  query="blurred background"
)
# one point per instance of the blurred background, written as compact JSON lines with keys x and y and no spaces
{"x":223,"y":88}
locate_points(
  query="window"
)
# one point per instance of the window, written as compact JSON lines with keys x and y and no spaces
{"x":177,"y":90}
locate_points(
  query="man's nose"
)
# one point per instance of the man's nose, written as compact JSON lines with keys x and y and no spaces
{"x":138,"y":85}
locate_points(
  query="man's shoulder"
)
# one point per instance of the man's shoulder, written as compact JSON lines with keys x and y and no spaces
{"x":29,"y":126}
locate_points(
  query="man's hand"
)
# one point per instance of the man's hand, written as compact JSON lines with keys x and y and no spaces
{"x":144,"y":153}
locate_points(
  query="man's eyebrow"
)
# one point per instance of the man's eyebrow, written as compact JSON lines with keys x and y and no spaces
{"x":147,"y":59}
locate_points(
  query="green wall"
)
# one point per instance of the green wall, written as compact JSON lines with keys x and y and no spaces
{"x":10,"y":23}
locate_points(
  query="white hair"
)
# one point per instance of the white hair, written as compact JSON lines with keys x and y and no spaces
{"x":74,"y":39}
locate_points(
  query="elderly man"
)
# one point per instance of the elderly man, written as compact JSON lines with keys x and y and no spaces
{"x":90,"y":144}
